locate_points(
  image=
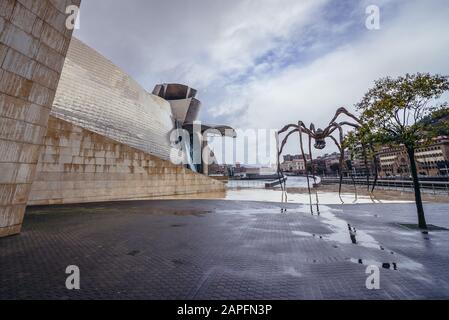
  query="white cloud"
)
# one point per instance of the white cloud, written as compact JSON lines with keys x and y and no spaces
{"x":195,"y":42}
{"x":415,"y":41}
{"x":255,"y":26}
{"x":321,"y":55}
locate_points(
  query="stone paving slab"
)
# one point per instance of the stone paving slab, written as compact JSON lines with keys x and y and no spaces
{"x":213,"y":249}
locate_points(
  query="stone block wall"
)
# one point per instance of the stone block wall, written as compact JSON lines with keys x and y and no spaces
{"x":78,"y":165}
{"x":33,"y":44}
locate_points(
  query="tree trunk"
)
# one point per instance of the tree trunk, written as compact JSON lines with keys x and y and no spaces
{"x":421,"y":218}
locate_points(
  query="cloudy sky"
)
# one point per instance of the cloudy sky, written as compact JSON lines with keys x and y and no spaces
{"x":265,"y":63}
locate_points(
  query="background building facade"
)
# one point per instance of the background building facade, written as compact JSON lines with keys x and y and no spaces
{"x":431,"y":160}
{"x":294,"y":163}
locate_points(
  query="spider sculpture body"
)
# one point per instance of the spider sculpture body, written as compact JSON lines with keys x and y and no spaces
{"x":319,"y":136}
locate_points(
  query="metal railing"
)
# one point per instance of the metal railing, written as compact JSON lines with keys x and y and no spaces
{"x":406,"y":185}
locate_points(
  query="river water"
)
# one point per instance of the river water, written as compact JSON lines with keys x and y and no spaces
{"x":255,"y":191}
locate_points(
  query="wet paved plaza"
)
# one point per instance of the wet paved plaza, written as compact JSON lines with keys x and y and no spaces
{"x":214,"y":249}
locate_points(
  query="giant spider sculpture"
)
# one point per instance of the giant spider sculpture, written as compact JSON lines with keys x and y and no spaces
{"x":320,"y":136}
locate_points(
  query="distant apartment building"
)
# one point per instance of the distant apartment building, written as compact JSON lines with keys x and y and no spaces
{"x":358,"y":165}
{"x":294,"y":163}
{"x":329,"y":163}
{"x":431,"y":160}
{"x":325,"y":164}
{"x":239,"y":170}
{"x":217,"y":169}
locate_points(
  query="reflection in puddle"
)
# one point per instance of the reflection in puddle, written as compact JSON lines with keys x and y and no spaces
{"x":352,"y":234}
{"x":348,"y":234}
{"x":344,"y":233}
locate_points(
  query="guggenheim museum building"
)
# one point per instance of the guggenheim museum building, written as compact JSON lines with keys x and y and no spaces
{"x":108,"y":139}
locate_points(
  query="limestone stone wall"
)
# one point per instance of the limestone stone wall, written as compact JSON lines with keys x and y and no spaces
{"x":78,"y":165}
{"x":33,"y":44}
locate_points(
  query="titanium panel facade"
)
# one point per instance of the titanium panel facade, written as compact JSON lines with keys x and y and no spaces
{"x":96,"y":95}
{"x":185,"y":107}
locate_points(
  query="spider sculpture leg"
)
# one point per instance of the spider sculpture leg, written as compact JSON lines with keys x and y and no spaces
{"x":347,"y":113}
{"x":338,"y":126}
{"x":376,"y":168}
{"x":350,"y":171}
{"x":312,"y":169}
{"x":278,"y":163}
{"x":354,"y":184}
{"x":282,"y":181}
{"x":368,"y":171}
{"x":354,"y":125}
{"x":342,"y":157}
{"x":300,"y":129}
{"x":279,"y":170}
{"x":341,"y":177}
{"x":284,"y":142}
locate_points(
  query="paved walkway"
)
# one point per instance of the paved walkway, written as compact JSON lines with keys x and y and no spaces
{"x":208,"y":249}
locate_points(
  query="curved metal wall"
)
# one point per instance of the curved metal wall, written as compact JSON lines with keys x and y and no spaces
{"x":95,"y":94}
{"x":184,"y":106}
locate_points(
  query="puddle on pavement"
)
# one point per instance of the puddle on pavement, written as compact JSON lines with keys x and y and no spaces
{"x":345,"y":233}
{"x":341,"y":231}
